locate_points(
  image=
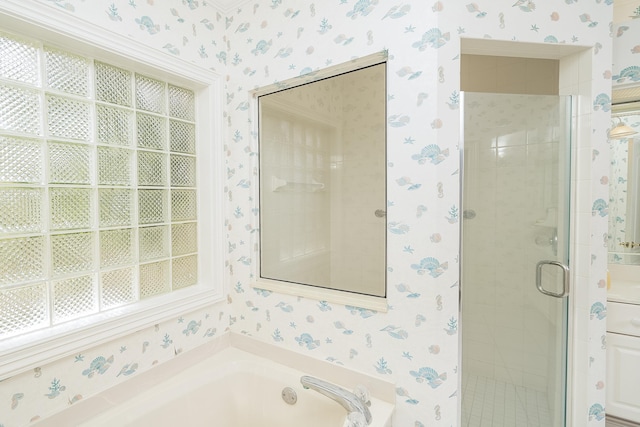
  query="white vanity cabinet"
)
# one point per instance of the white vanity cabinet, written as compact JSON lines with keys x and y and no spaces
{"x":623,"y":361}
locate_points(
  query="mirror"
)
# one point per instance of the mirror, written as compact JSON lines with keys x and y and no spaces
{"x":624,"y":185}
{"x":322,"y":162}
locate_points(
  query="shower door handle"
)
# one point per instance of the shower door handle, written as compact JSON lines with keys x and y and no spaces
{"x":565,"y":278}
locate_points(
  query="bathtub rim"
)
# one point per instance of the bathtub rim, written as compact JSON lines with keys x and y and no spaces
{"x":89,"y":407}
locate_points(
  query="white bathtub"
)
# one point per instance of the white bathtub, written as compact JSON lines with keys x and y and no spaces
{"x":234,"y":387}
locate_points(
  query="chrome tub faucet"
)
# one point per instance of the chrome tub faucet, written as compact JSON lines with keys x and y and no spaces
{"x":351,"y":402}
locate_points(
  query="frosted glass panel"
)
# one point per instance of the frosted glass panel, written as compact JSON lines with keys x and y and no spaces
{"x":183,"y":136}
{"x":116,"y":247}
{"x":116,"y":207}
{"x":114,"y":166}
{"x":67,"y":73}
{"x":181,"y":103}
{"x":20,"y":160}
{"x":22,"y":260}
{"x":113,"y":84}
{"x":323,"y":181}
{"x":154,"y":279}
{"x":515,"y":210}
{"x":152,"y":206}
{"x":68,"y":118}
{"x":24,"y":309}
{"x":73,"y":298}
{"x":152,"y":169}
{"x":118,"y":287}
{"x":184,"y":271}
{"x":19,"y":60}
{"x":154,"y":243}
{"x":71,"y":253}
{"x":20,"y":110}
{"x":114,"y":125}
{"x":21,"y":210}
{"x":102,"y":210}
{"x":150,"y":94}
{"x":70,"y":208}
{"x":69,"y":164}
{"x":152,"y":131}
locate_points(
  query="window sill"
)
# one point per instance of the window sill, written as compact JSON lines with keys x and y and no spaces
{"x":378,"y":304}
{"x":27,"y":351}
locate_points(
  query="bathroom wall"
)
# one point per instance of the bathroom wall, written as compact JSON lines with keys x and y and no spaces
{"x":415,"y":344}
{"x":626,"y":52}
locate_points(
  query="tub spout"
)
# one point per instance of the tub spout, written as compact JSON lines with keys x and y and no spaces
{"x":345,"y":398}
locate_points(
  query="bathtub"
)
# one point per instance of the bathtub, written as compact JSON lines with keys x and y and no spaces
{"x":239,"y":384}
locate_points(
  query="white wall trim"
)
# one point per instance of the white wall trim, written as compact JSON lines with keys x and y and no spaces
{"x":39,"y":348}
{"x":370,"y":302}
{"x":60,"y":28}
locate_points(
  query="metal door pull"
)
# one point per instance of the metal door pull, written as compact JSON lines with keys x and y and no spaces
{"x":565,"y":278}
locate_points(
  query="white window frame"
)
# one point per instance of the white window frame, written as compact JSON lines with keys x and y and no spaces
{"x":69,"y":33}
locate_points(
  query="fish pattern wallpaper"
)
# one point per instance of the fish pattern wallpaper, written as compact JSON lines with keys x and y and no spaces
{"x":415,"y":344}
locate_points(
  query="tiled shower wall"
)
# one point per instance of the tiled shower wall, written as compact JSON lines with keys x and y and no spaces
{"x":415,"y":344}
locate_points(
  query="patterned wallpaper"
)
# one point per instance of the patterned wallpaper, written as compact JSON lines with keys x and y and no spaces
{"x":626,"y":52}
{"x":262,"y":42}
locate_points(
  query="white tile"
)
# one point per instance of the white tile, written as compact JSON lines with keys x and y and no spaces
{"x":499,"y":403}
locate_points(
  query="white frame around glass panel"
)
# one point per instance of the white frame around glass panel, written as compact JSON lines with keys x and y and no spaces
{"x":70,"y":34}
{"x":378,"y":303}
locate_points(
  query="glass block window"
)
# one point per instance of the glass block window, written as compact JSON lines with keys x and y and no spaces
{"x":97,"y":186}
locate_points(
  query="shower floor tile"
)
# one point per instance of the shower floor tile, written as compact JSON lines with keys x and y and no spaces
{"x":487,"y":402}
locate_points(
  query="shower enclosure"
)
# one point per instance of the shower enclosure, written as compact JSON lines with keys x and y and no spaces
{"x":514,"y":274}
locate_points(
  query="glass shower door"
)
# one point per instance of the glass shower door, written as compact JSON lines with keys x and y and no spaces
{"x":514,"y":274}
